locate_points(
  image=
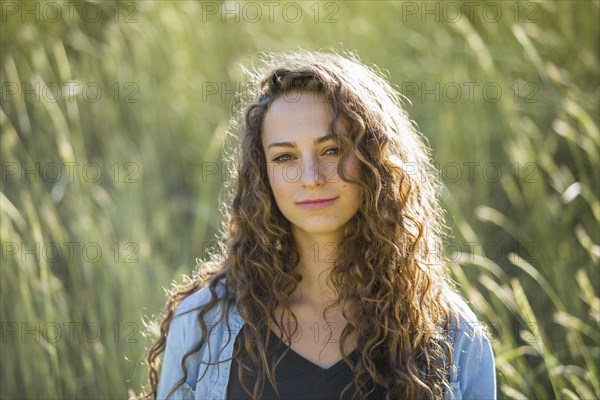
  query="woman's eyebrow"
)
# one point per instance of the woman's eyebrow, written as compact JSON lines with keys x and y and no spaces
{"x":318,"y":140}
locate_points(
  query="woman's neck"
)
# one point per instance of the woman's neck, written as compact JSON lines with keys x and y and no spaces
{"x":317,"y":255}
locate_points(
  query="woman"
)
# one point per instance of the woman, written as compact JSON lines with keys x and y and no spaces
{"x":328,"y":285}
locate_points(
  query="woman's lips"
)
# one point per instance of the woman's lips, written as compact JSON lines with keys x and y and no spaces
{"x":316,"y":205}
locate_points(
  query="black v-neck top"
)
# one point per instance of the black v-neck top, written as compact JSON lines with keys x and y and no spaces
{"x":297,"y":378}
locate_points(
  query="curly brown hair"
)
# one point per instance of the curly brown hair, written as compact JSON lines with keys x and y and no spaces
{"x":389,"y":275}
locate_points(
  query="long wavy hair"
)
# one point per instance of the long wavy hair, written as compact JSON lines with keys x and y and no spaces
{"x":389,"y":274}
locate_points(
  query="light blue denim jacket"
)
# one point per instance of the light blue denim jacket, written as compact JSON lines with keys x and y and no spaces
{"x":473,"y":374}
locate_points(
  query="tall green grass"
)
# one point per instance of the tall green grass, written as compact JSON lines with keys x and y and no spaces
{"x":525,"y":248}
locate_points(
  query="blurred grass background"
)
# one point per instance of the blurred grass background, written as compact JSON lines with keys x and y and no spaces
{"x":141,"y":93}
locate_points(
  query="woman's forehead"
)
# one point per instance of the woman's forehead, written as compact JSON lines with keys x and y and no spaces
{"x":299,"y":112}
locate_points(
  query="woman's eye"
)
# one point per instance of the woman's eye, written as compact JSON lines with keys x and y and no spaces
{"x":282,"y":158}
{"x":333,"y":151}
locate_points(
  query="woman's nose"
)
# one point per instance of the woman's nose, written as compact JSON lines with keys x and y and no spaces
{"x":312,"y":172}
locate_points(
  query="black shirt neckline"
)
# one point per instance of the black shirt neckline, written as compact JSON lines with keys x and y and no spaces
{"x":333,"y":370}
{"x":297,"y":378}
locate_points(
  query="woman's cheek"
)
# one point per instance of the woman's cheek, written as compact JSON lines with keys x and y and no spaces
{"x":278,"y":183}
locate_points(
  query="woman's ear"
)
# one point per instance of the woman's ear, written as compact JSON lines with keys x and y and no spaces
{"x":346,"y":232}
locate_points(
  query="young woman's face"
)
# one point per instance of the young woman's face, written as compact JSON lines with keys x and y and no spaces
{"x":302,"y":164}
